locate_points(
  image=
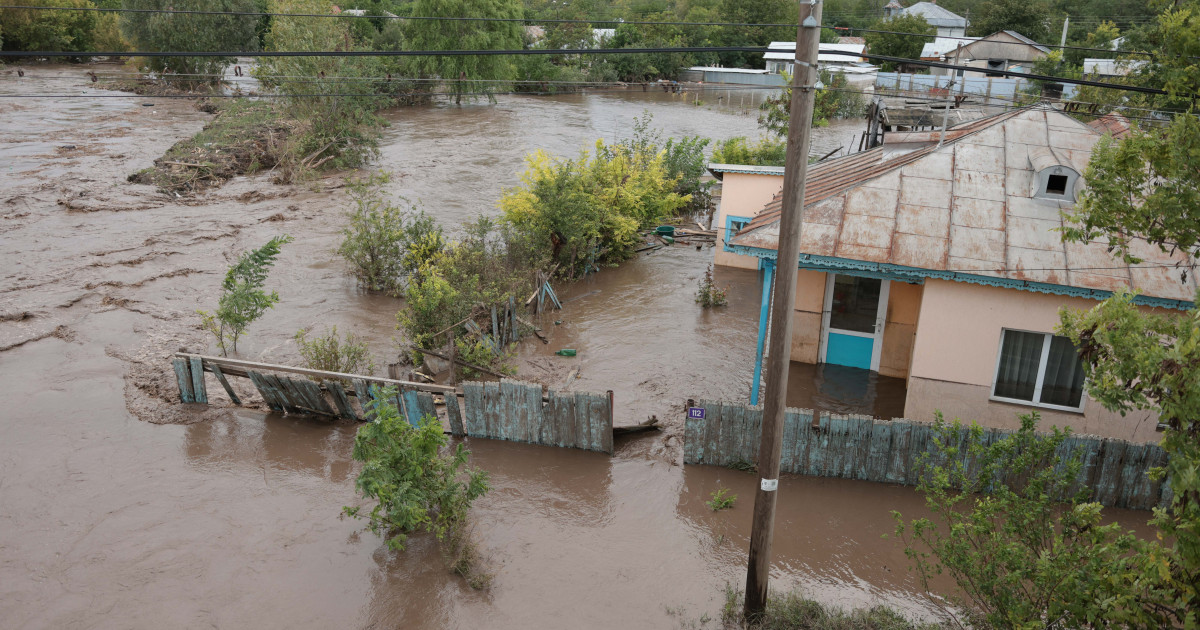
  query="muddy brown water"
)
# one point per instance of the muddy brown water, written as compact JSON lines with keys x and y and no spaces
{"x":122,"y":509}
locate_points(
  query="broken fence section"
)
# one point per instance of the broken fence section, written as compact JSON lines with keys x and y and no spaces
{"x":508,"y":410}
{"x":517,"y":411}
{"x":860,"y":447}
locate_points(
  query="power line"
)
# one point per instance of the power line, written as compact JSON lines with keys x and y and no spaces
{"x":976,"y":39}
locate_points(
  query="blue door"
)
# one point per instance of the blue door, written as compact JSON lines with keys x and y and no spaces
{"x":853,"y":322}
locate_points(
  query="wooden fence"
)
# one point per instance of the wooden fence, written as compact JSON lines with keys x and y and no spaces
{"x":508,"y":410}
{"x":860,"y":447}
{"x":512,"y":410}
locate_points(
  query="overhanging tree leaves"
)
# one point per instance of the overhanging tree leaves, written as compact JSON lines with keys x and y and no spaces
{"x":897,"y":43}
{"x":1145,"y":186}
{"x":465,"y":35}
{"x":243,"y":299}
{"x":159,"y":32}
{"x":31,"y":29}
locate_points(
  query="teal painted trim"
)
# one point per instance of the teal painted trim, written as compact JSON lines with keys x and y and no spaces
{"x":768,"y":267}
{"x":729,"y":228}
{"x":849,"y":350}
{"x":917,"y":275}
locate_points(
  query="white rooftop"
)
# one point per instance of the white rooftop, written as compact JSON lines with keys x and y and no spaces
{"x":943,"y":45}
{"x":786,"y":51}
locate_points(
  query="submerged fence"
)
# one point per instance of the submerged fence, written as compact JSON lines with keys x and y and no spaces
{"x":508,"y":410}
{"x":859,"y":447}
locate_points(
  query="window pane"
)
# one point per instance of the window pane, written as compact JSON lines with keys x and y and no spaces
{"x":855,"y":303}
{"x":1020,"y":354}
{"x":1063,"y":384}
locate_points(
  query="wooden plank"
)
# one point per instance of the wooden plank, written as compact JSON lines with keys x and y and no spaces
{"x":551,"y":430}
{"x":454,"y":416}
{"x":473,"y":409}
{"x":583,"y":429}
{"x":199,"y":391}
{"x":516,"y":420}
{"x":538,"y":431}
{"x":338,"y":393}
{"x":277,"y":390}
{"x":298,"y":397}
{"x":183,"y":378}
{"x":837,"y":462}
{"x":216,"y":370}
{"x":265,"y":391}
{"x":1111,"y":461}
{"x":787,"y":450}
{"x":313,"y":391}
{"x":920,"y":442}
{"x":898,"y":455}
{"x":565,"y":419}
{"x":426,"y":404}
{"x":693,"y":429}
{"x":412,"y":405}
{"x":605,"y":423}
{"x":597,"y":417}
{"x":492,"y":410}
{"x":1150,"y":492}
{"x":712,"y":432}
{"x":362,"y":392}
{"x":880,"y":451}
{"x":752,"y":431}
{"x":818,"y":448}
{"x":863,"y":428}
{"x":321,"y":374}
{"x":1133,"y":471}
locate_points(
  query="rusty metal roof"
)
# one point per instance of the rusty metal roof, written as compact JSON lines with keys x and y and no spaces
{"x":1113,"y":123}
{"x":968,"y":206}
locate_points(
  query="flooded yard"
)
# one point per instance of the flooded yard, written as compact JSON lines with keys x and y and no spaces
{"x":120,"y":508}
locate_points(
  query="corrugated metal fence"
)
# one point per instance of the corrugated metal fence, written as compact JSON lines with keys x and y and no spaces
{"x":508,"y":410}
{"x":859,"y":447}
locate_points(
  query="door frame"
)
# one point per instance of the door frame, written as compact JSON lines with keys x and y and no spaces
{"x":880,"y":320}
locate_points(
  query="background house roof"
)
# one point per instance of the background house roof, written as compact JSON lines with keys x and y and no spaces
{"x":936,"y":15}
{"x":942,"y":45}
{"x":965,"y":207}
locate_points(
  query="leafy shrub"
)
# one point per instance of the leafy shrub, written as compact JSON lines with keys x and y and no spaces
{"x":1026,"y":548}
{"x":836,"y":100}
{"x":385,"y":244}
{"x":739,"y":150}
{"x":31,"y":29}
{"x":710,"y":295}
{"x":490,"y":264}
{"x":482,"y":353}
{"x":153,"y":32}
{"x":243,"y":299}
{"x":721,"y":499}
{"x":420,"y":484}
{"x":331,"y":353}
{"x":338,"y":125}
{"x":586,"y":212}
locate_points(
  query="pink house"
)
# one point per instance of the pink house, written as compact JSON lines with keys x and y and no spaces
{"x":938,"y":260}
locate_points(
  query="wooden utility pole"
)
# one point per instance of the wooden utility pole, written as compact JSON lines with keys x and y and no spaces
{"x":804,"y":80}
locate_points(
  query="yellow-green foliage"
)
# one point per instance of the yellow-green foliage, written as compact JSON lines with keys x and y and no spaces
{"x":588,"y":210}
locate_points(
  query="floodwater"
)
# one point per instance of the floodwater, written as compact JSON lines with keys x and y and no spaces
{"x":120,"y":508}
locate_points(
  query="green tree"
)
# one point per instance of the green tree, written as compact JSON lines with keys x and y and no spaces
{"x":243,"y":299}
{"x":755,"y":12}
{"x":420,"y":484}
{"x":32,"y":29}
{"x":463,"y":35}
{"x":1146,"y":187}
{"x":162,"y":32}
{"x":384,"y":244}
{"x":1026,"y":549}
{"x":337,"y":130}
{"x":739,"y":150}
{"x":1027,"y":17}
{"x":896,"y":43}
{"x":836,"y":100}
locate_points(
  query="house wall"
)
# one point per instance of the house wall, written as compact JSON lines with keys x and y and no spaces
{"x":899,"y":332}
{"x":806,"y":316}
{"x":742,"y":195}
{"x":998,"y":46}
{"x":955,"y":352}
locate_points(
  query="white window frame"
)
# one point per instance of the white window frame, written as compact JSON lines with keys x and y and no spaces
{"x":1041,"y":375}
